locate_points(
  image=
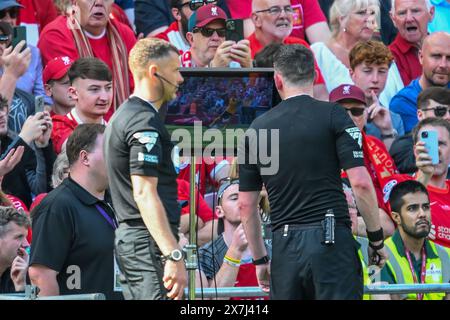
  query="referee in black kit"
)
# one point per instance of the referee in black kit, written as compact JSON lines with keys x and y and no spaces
{"x":143,"y":178}
{"x":313,"y":256}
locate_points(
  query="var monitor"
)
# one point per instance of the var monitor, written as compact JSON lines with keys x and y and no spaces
{"x":218,"y":99}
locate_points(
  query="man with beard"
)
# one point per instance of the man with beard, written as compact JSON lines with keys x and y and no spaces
{"x":435,"y":60}
{"x":412,"y":257}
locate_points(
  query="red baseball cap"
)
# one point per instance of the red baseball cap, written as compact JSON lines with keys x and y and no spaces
{"x":56,"y":68}
{"x":204,"y":15}
{"x":347,"y":92}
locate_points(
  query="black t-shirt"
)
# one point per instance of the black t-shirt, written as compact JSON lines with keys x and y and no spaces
{"x":402,"y":151}
{"x":138,"y":143}
{"x":316,"y":140}
{"x":6,"y":283}
{"x":72,"y":237}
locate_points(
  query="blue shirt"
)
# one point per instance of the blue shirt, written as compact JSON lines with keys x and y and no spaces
{"x":397,"y":124}
{"x":405,"y":104}
{"x":441,"y":20}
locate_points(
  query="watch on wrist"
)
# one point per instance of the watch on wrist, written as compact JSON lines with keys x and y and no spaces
{"x":174,"y":255}
{"x":260,"y":261}
{"x":391,"y":135}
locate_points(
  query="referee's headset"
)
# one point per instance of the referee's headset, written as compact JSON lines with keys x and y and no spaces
{"x":169,"y":82}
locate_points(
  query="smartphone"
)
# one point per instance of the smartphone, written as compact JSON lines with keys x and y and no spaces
{"x":430,"y":137}
{"x":234,"y":30}
{"x":19,"y":34}
{"x":38,"y":104}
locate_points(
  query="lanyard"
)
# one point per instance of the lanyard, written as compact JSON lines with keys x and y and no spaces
{"x":112,"y":221}
{"x":422,"y":269}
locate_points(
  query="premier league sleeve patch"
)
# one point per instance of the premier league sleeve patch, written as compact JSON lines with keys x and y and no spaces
{"x":147,"y":138}
{"x":145,"y":153}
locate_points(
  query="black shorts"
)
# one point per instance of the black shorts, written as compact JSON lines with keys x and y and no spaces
{"x":304,"y":268}
{"x":139,"y":260}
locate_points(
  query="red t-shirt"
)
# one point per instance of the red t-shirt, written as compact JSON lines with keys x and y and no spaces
{"x":406,"y":57}
{"x":256,"y":47}
{"x":247,"y":278}
{"x":306,"y":13}
{"x":203,"y":210}
{"x":204,"y":172}
{"x":173,"y":35}
{"x":56,"y":40}
{"x":440,"y":213}
{"x":39,"y":12}
{"x":63,"y":126}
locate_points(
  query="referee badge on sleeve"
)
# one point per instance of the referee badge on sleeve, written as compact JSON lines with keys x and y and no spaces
{"x":147,"y":138}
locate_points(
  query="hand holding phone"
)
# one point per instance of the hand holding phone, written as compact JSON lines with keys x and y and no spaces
{"x":19,"y":34}
{"x":430,"y":138}
{"x":234,"y":30}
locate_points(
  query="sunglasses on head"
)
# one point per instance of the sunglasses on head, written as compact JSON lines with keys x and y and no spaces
{"x":195,"y":4}
{"x":208,"y":32}
{"x":439,"y":111}
{"x":13,"y":13}
{"x":356,"y":111}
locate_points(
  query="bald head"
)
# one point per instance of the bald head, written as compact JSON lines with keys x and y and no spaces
{"x":435,"y":39}
{"x":259,"y":5}
{"x":435,"y":60}
{"x":275,"y":25}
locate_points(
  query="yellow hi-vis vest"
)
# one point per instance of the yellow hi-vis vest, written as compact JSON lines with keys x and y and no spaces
{"x":437,"y":269}
{"x":362,"y":253}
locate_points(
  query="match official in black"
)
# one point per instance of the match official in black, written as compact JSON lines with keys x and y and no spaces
{"x":143,"y":178}
{"x":314,"y":256}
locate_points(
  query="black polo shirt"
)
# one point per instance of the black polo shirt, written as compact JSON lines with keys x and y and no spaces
{"x":138,"y":143}
{"x":316,"y":140}
{"x":6,"y":283}
{"x":72,"y":237}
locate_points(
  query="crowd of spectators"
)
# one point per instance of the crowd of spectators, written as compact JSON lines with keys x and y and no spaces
{"x":386,"y":62}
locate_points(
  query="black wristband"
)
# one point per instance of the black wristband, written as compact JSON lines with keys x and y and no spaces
{"x":375,"y":236}
{"x":378,"y":247}
{"x":260,"y":261}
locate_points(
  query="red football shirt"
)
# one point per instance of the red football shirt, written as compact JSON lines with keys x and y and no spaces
{"x":406,"y":57}
{"x":440,"y":213}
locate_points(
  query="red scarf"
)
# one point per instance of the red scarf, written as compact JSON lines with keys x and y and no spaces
{"x":381,"y":162}
{"x":119,"y":57}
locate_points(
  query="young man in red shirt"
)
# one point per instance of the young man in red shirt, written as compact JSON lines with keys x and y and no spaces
{"x":91,"y":90}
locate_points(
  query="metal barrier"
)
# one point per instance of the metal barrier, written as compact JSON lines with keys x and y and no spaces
{"x":31,"y":293}
{"x":371,"y":289}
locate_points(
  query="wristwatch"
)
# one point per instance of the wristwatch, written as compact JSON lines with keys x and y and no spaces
{"x":390,"y":135}
{"x":260,"y":261}
{"x":174,"y":255}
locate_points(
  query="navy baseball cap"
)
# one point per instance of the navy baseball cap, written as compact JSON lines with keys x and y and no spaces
{"x":5,"y":4}
{"x":224,"y":186}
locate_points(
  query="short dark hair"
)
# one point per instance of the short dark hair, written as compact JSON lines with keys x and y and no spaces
{"x":264,"y":58}
{"x":175,"y":3}
{"x":146,"y":50}
{"x":83,"y":137}
{"x":402,"y":189}
{"x":10,"y":214}
{"x":434,"y":122}
{"x":295,"y":63}
{"x":438,"y":94}
{"x":89,"y":68}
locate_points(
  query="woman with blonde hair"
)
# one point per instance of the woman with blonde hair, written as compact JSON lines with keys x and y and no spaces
{"x":351,"y":21}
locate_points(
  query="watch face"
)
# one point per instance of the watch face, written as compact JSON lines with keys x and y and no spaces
{"x":176,"y":255}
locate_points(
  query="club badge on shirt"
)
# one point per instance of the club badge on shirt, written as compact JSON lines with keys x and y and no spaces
{"x":148,"y":138}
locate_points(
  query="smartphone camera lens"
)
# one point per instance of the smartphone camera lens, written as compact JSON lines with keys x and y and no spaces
{"x":425,"y":134}
{"x":230,"y":25}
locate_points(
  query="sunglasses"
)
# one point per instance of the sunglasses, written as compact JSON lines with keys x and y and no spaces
{"x":439,"y":111}
{"x":13,"y":13}
{"x":208,"y":32}
{"x":356,"y":111}
{"x":195,"y":4}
